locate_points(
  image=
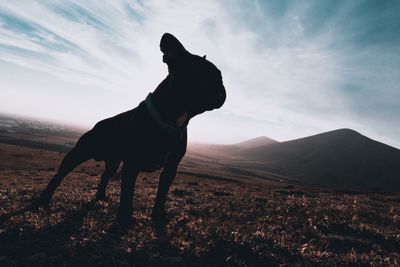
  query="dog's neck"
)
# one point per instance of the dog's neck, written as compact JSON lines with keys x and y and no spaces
{"x":167,"y":106}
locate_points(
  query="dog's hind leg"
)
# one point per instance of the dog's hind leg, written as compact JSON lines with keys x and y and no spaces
{"x":109,"y":172}
{"x":74,"y":158}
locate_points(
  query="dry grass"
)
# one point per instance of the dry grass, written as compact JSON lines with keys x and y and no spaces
{"x":212,"y":222}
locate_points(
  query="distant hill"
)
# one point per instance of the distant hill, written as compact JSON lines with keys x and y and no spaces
{"x":256,"y":142}
{"x":36,"y":133}
{"x":231,"y":151}
{"x":340,"y":159}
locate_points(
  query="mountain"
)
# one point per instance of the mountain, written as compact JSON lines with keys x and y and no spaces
{"x":342,"y":159}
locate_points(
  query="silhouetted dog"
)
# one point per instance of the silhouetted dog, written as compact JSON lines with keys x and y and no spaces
{"x":150,"y":136}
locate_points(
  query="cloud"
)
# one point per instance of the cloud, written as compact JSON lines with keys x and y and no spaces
{"x":291,"y":68}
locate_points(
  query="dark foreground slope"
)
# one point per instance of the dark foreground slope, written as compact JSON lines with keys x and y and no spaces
{"x":338,"y":159}
{"x":212,"y":222}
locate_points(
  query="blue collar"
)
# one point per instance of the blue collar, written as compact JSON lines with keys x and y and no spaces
{"x":165,"y":127}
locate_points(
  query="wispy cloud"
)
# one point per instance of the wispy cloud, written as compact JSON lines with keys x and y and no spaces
{"x":291,"y":68}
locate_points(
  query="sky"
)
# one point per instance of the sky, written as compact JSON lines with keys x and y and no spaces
{"x":291,"y":68}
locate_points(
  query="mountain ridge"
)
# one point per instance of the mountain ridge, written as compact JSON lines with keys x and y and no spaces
{"x":340,"y":159}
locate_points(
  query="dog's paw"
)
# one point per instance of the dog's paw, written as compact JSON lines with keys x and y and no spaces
{"x":39,"y":203}
{"x":125,"y":220}
{"x":159,"y":218}
{"x":101,"y":197}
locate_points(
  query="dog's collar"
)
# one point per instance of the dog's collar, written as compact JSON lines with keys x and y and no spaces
{"x":165,"y":127}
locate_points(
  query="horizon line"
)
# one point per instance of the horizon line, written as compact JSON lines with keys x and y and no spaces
{"x":83,"y":128}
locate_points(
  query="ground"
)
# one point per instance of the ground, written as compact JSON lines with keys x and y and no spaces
{"x":213,"y":221}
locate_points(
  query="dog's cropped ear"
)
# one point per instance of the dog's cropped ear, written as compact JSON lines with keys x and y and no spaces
{"x":171,"y":48}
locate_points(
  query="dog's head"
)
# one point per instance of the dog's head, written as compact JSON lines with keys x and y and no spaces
{"x":196,"y":82}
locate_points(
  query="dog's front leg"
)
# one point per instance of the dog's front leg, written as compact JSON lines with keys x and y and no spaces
{"x":166,"y":178}
{"x":129,"y":175}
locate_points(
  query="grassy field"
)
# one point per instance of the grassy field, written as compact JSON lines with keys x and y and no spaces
{"x":213,"y":222}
